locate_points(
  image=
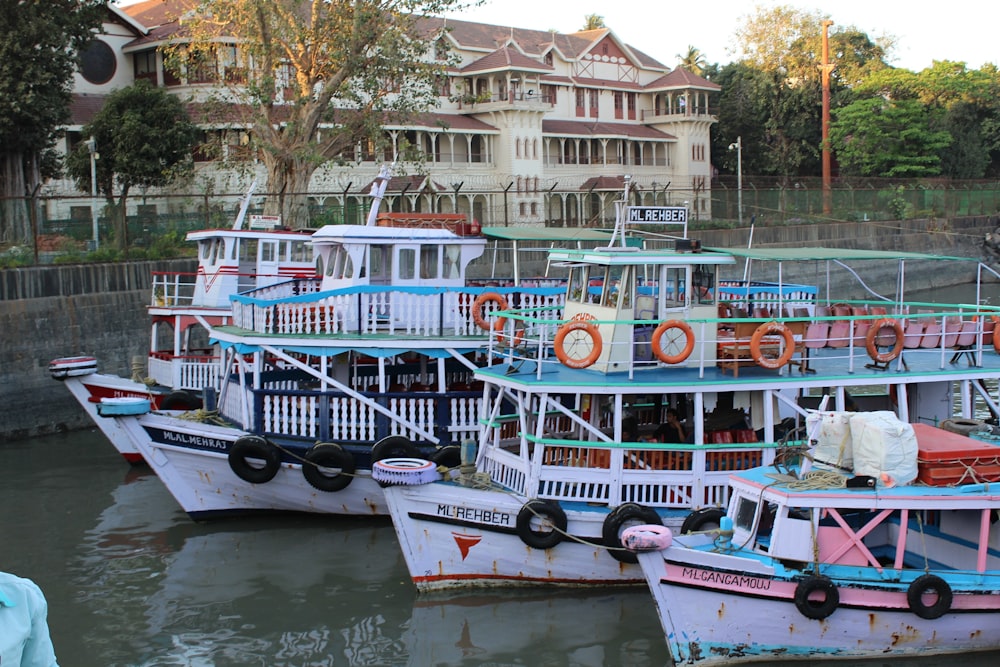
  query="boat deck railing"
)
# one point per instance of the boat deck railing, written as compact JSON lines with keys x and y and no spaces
{"x":176,"y":289}
{"x":845,"y":337}
{"x":189,"y":371}
{"x":373,"y":309}
{"x":294,"y":411}
{"x":679,"y":476}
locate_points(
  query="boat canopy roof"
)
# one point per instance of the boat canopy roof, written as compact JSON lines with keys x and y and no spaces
{"x":554,"y":234}
{"x":799,"y":254}
{"x":373,"y":234}
{"x":616,"y":256}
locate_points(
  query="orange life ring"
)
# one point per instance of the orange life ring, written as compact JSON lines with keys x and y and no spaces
{"x":478,"y":309}
{"x":872,"y":336}
{"x":771,"y":329}
{"x":658,"y":335}
{"x":560,"y":348}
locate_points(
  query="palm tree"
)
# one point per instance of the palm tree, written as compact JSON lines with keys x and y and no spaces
{"x":593,"y":22}
{"x":693,"y":61}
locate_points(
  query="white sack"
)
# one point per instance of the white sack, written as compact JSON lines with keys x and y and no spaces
{"x":832,"y":432}
{"x":884,"y":447}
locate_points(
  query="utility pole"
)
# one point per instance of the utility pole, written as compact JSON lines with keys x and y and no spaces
{"x":738,"y":147}
{"x":92,"y":147}
{"x":825,"y":69}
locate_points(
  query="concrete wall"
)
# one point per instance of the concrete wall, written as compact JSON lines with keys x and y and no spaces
{"x":100,"y":309}
{"x":59,"y":311}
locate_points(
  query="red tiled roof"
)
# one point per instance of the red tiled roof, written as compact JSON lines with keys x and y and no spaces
{"x":603,"y":183}
{"x":506,"y":58}
{"x":415,"y":183}
{"x":578,"y":128}
{"x":83,"y":107}
{"x":681,"y":78}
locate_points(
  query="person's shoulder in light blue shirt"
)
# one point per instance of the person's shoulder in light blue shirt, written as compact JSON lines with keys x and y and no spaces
{"x":24,"y":627}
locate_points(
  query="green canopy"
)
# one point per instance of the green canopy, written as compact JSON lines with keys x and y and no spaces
{"x":799,"y":254}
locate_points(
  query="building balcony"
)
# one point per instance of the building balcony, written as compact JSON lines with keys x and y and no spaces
{"x":520,"y":101}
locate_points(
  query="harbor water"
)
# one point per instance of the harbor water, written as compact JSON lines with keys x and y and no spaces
{"x":131,"y":580}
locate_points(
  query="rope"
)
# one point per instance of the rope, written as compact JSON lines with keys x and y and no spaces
{"x":204,"y":416}
{"x":138,"y":368}
{"x":816,"y":479}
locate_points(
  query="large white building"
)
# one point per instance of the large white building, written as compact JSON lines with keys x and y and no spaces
{"x":532,"y":126}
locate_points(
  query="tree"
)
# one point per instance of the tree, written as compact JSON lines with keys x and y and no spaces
{"x":593,"y":22}
{"x":316,"y":81}
{"x":887,"y":138}
{"x":789,"y":41}
{"x":39,"y":44}
{"x":144,"y":138}
{"x":693,"y":61}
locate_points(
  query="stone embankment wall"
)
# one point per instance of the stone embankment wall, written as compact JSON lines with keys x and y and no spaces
{"x":100,"y":309}
{"x":56,"y":311}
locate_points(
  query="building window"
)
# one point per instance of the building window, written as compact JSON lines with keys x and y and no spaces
{"x":144,"y":65}
{"x":97,"y":62}
{"x":631,"y":99}
{"x":593,"y":103}
{"x":580,"y":102}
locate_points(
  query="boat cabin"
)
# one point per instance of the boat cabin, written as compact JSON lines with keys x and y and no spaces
{"x":626,"y":293}
{"x":353,"y":255}
{"x":236,"y":260}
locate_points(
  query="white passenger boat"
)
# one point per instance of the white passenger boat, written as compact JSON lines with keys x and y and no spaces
{"x":895,"y":554}
{"x":568,"y":456}
{"x":320,"y":378}
{"x":182,"y":361}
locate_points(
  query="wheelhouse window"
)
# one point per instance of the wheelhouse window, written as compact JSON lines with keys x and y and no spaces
{"x":407,"y":264}
{"x":429,"y":261}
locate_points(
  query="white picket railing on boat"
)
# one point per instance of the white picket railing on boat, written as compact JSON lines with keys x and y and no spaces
{"x":651,"y":474}
{"x":191,"y":372}
{"x":416,"y":311}
{"x":336,"y":417}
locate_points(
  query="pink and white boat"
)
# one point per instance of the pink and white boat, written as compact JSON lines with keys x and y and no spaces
{"x":840,"y":563}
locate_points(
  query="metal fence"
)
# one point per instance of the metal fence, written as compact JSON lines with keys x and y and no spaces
{"x":65,"y":226}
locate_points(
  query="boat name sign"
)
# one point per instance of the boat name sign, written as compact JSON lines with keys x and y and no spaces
{"x":187,"y":439}
{"x":739,"y":581}
{"x":675,"y":214}
{"x":487,"y":517}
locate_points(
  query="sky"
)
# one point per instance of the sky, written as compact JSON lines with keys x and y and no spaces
{"x":925,"y":31}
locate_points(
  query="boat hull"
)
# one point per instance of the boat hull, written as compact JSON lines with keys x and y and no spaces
{"x":91,"y":389}
{"x":191,"y":458}
{"x":712,"y":610}
{"x":456,"y":536}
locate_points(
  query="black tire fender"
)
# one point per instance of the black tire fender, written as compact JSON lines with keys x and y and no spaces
{"x":929,"y":583}
{"x":449,"y":456}
{"x":180,"y":400}
{"x":320,"y":463}
{"x":546,"y":511}
{"x":701,"y":519}
{"x":394,"y":447}
{"x":620,"y":518}
{"x":256,"y":447}
{"x":816,"y":609}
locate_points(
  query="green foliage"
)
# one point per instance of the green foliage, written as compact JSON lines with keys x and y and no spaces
{"x":144,"y":139}
{"x":874,"y":137}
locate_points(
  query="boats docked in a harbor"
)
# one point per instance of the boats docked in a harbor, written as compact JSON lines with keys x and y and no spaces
{"x":182,"y":361}
{"x":580,"y":436}
{"x":894,"y":554}
{"x":321,"y":377}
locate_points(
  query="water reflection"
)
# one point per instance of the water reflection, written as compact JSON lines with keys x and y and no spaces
{"x":131,"y":581}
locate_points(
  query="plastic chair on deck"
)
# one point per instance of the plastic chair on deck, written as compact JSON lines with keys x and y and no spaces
{"x":815,"y":338}
{"x":932,"y":335}
{"x":840,"y":330}
{"x":913,"y":332}
{"x":952,"y":328}
{"x":861,"y":327}
{"x":965,"y":342}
